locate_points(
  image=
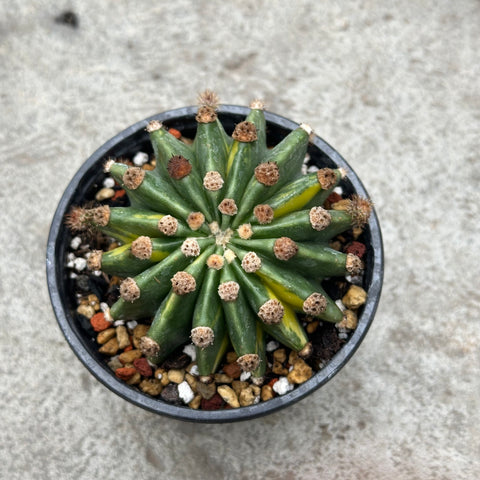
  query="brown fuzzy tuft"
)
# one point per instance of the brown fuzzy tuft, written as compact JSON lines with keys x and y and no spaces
{"x":208,"y":98}
{"x":149,"y":347}
{"x":271,"y":312}
{"x":326,"y":178}
{"x":267,"y":173}
{"x":153,"y":126}
{"x":228,"y":206}
{"x":183,"y":283}
{"x":168,"y":225}
{"x":228,"y":291}
{"x":133,"y":177}
{"x":315,"y":304}
{"x":263,"y":213}
{"x":319,"y":218}
{"x":245,"y":231}
{"x":213,"y":181}
{"x":142,"y":248}
{"x":129,"y":290}
{"x":215,"y":261}
{"x":285,"y":248}
{"x":202,"y":336}
{"x":101,"y":216}
{"x":359,"y":209}
{"x":245,"y":132}
{"x":206,"y":114}
{"x":251,"y":262}
{"x":190,"y":248}
{"x":353,"y":264}
{"x":178,"y":167}
{"x":78,"y":219}
{"x":94,"y":261}
{"x":195,"y":220}
{"x":257,"y":104}
{"x":249,"y":362}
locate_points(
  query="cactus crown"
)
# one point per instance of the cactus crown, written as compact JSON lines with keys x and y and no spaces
{"x":225,"y":240}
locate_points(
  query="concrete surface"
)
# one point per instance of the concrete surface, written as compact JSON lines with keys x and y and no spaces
{"x":393,"y":85}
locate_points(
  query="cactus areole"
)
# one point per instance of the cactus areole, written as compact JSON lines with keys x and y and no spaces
{"x":224,"y":244}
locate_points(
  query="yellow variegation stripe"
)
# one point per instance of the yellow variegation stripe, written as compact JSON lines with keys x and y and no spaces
{"x":298,"y":202}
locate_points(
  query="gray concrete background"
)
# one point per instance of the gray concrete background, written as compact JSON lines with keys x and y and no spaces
{"x":394,"y":86}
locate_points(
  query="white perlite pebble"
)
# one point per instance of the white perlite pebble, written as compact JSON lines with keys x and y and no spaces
{"x":190,"y":351}
{"x":132,"y":324}
{"x":109,"y":182}
{"x":304,"y":169}
{"x":338,"y":190}
{"x":312,"y":168}
{"x":75,"y":243}
{"x":194,"y":371}
{"x":118,"y":323}
{"x":140,"y":158}
{"x":80,"y":264}
{"x":272,"y":345}
{"x":283,"y":386}
{"x":104,"y":307}
{"x":244,"y":376}
{"x":185,"y":392}
{"x":355,"y":279}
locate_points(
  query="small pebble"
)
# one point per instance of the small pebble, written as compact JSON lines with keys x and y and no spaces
{"x":129,"y":356}
{"x":223,"y":378}
{"x":280,"y":355}
{"x":267,"y":393}
{"x":105,"y":335}
{"x":272,"y":345}
{"x":300,"y":372}
{"x":245,"y":376}
{"x":75,"y":243}
{"x":122,"y":337}
{"x":80,"y":264}
{"x":283,"y":386}
{"x":206,"y":390}
{"x":228,"y":395}
{"x":140,"y":158}
{"x":109,"y":182}
{"x":231,"y":357}
{"x":338,"y":190}
{"x":194,"y":370}
{"x":246,"y":397}
{"x":185,"y":392}
{"x":170,"y":393}
{"x":340,"y":305}
{"x":355,"y":297}
{"x":176,"y":376}
{"x":152,"y":386}
{"x":312,"y":168}
{"x":196,"y":402}
{"x":110,"y":348}
{"x":213,"y":403}
{"x":132,"y":324}
{"x":189,"y":349}
{"x":104,"y":193}
{"x":114,"y":363}
{"x":86,"y":310}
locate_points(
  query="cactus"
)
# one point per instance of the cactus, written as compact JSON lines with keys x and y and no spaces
{"x":225,"y":241}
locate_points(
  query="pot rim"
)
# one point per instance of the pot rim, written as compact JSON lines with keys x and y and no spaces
{"x":55,"y":267}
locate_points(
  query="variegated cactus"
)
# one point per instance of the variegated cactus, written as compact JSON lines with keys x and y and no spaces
{"x":225,"y":241}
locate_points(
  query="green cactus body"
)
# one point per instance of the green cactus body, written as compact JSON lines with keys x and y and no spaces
{"x":230,"y":258}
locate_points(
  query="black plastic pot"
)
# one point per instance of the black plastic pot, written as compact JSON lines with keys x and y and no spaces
{"x":135,"y":139}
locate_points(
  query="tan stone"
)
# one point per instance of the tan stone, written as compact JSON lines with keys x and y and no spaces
{"x":222,"y":378}
{"x":238,"y":386}
{"x":266,"y":393}
{"x":206,"y":390}
{"x":279,"y":369}
{"x":280,"y":355}
{"x":246,"y":397}
{"x":110,"y":347}
{"x":355,"y":297}
{"x":161,"y":375}
{"x":192,"y":381}
{"x":152,"y":386}
{"x":300,"y":373}
{"x":195,"y":403}
{"x":176,"y":376}
{"x":122,"y":337}
{"x":138,"y":332}
{"x":228,"y":395}
{"x":105,"y":335}
{"x":129,"y":356}
{"x":86,"y":310}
